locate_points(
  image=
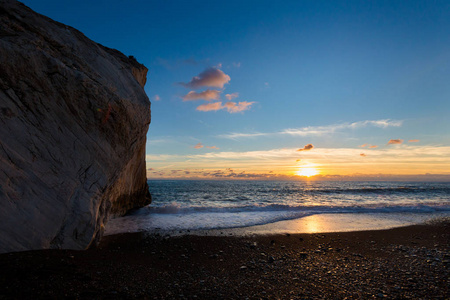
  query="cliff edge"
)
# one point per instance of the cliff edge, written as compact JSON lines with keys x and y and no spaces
{"x":73,"y":123}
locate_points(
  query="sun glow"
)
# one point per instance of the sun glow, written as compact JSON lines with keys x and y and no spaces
{"x":308,"y":172}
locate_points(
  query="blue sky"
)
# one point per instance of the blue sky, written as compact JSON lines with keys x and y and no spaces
{"x":334,"y":74}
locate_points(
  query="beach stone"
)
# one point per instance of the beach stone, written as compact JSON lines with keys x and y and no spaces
{"x":303,"y":255}
{"x":73,"y":123}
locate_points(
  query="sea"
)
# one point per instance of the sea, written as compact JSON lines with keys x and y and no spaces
{"x":193,"y":205}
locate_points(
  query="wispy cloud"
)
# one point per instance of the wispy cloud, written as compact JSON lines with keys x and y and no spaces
{"x":231,"y":107}
{"x":395,"y":142}
{"x":211,"y":77}
{"x":156,"y":98}
{"x":242,"y":135}
{"x":368,"y":146}
{"x":306,"y":148}
{"x":236,"y":64}
{"x":319,"y":130}
{"x":362,"y":154}
{"x":431,"y":154}
{"x":414,"y":141}
{"x":210,"y":106}
{"x":205,"y":95}
{"x":213,"y":147}
{"x":198,"y":146}
{"x":231,"y":96}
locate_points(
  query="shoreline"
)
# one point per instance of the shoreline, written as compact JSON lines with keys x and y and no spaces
{"x":405,"y":262}
{"x":314,"y":223}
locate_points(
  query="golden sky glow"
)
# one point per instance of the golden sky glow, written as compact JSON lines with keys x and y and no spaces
{"x":307,"y":172}
{"x":325,"y":163}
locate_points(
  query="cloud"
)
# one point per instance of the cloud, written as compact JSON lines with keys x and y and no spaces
{"x":394,"y":142}
{"x":212,"y":147}
{"x":234,"y":136}
{"x":206,"y":95}
{"x":306,"y":148}
{"x":319,"y":130}
{"x":231,"y":107}
{"x":231,"y":96}
{"x":414,"y":141}
{"x":156,"y":98}
{"x":211,"y":77}
{"x":198,"y":146}
{"x":236,"y":64}
{"x":210,"y":106}
{"x":362,"y":154}
{"x":368,"y":145}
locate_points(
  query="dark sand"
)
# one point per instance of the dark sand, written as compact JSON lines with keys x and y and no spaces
{"x":403,"y":263}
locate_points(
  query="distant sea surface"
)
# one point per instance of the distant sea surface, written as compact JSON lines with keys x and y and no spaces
{"x":194,"y":205}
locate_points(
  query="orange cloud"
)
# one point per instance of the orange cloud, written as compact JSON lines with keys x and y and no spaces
{"x":198,"y":146}
{"x":368,"y":145}
{"x":414,"y":141}
{"x":231,"y":96}
{"x":232,"y":107}
{"x":210,"y":106}
{"x":206,"y":95}
{"x":394,"y":142}
{"x":306,"y":148}
{"x":212,"y":147}
{"x":211,"y":77}
{"x":362,"y":154}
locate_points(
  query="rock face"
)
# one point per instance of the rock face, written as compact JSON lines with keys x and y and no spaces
{"x":73,"y":124}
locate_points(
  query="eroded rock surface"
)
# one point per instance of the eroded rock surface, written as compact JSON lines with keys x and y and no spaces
{"x":73,"y":124}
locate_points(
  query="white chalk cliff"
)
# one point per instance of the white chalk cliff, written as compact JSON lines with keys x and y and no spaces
{"x":73,"y":123}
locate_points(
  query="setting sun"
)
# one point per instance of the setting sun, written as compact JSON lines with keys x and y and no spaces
{"x":308,"y":172}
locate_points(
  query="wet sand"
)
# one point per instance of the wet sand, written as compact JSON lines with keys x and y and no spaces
{"x":402,"y":263}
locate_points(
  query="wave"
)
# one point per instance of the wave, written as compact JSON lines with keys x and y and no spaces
{"x":383,"y":190}
{"x":175,"y":208}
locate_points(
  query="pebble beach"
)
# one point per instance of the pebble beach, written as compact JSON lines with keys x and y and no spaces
{"x":409,"y":262}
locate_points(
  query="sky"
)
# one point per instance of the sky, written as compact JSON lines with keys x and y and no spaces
{"x":331,"y":90}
